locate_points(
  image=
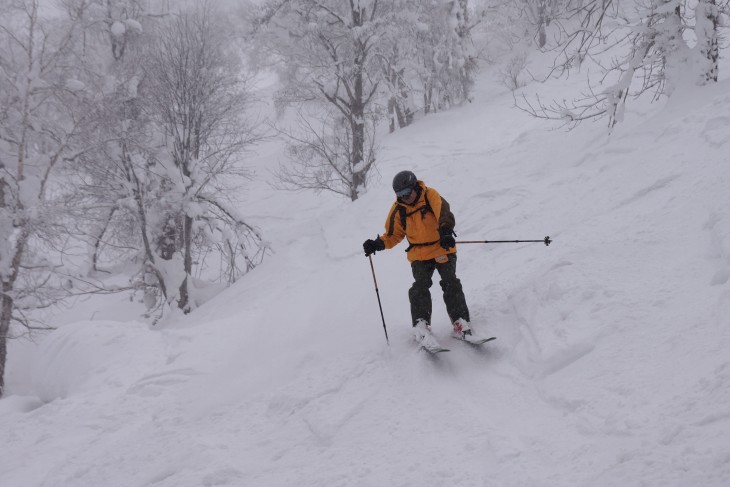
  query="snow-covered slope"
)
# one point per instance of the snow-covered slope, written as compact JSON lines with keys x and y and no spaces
{"x":611,"y":366}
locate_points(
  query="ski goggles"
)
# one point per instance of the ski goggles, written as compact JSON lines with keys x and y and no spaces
{"x":403,"y":192}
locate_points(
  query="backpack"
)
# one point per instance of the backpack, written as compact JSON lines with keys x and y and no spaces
{"x":403,"y":213}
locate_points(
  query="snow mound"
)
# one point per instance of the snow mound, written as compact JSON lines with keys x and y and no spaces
{"x":118,"y":29}
{"x":133,"y":25}
{"x":18,"y":404}
{"x":91,"y":356}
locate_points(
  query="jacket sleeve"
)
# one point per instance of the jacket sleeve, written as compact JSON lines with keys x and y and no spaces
{"x":394,"y":231}
{"x":441,"y":209}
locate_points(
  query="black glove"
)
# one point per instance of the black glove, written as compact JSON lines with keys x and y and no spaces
{"x":372,"y":246}
{"x":447,"y":238}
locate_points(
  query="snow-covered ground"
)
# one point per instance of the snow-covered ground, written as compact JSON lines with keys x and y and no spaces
{"x":611,"y":366}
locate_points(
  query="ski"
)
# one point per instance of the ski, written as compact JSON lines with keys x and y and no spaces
{"x":434,"y":349}
{"x":474,"y":340}
{"x":431,"y":345}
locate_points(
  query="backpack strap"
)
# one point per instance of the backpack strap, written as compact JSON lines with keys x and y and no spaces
{"x":422,"y":209}
{"x":401,"y":211}
{"x":428,"y":205}
{"x":411,"y":245}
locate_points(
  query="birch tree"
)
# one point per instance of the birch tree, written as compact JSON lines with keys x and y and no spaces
{"x":39,"y":126}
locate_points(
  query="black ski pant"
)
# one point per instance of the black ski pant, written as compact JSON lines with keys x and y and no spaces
{"x":420,"y":294}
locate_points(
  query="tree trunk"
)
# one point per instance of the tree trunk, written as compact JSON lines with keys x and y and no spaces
{"x":392,"y":114}
{"x":541,"y":35}
{"x":167,"y":241}
{"x":405,"y":111}
{"x":137,"y":192}
{"x":710,"y":49}
{"x":397,"y":103}
{"x":6,"y":312}
{"x":99,"y":238}
{"x":7,"y":302}
{"x":427,"y":97}
{"x":184,"y":303}
{"x":357,"y":119}
{"x":358,"y":150}
{"x":541,"y":23}
{"x":713,"y":54}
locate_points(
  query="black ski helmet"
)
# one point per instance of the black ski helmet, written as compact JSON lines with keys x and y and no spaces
{"x":404,"y":182}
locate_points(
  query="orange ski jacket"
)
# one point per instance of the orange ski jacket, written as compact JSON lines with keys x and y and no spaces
{"x":419,"y":223}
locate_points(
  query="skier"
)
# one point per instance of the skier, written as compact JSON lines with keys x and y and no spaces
{"x":422,"y":216}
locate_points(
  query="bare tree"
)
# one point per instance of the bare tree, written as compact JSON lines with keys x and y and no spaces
{"x":650,"y":54}
{"x":321,"y":144}
{"x":328,"y":56}
{"x":540,"y":13}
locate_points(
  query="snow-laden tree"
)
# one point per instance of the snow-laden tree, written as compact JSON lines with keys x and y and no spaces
{"x":707,"y":23}
{"x":107,"y":58}
{"x":42,"y":115}
{"x":395,"y":56}
{"x":326,"y":48}
{"x":427,"y":53}
{"x":117,"y":21}
{"x":111,"y":201}
{"x":348,"y":63}
{"x":194,"y":92}
{"x":157,"y":189}
{"x":447,"y":62}
{"x":650,"y":51}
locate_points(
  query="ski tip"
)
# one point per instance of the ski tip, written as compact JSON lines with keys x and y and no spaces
{"x":477,"y":341}
{"x":436,"y":350}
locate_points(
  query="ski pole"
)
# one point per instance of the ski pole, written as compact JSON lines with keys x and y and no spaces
{"x":546,"y":241}
{"x":379,"y":303}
